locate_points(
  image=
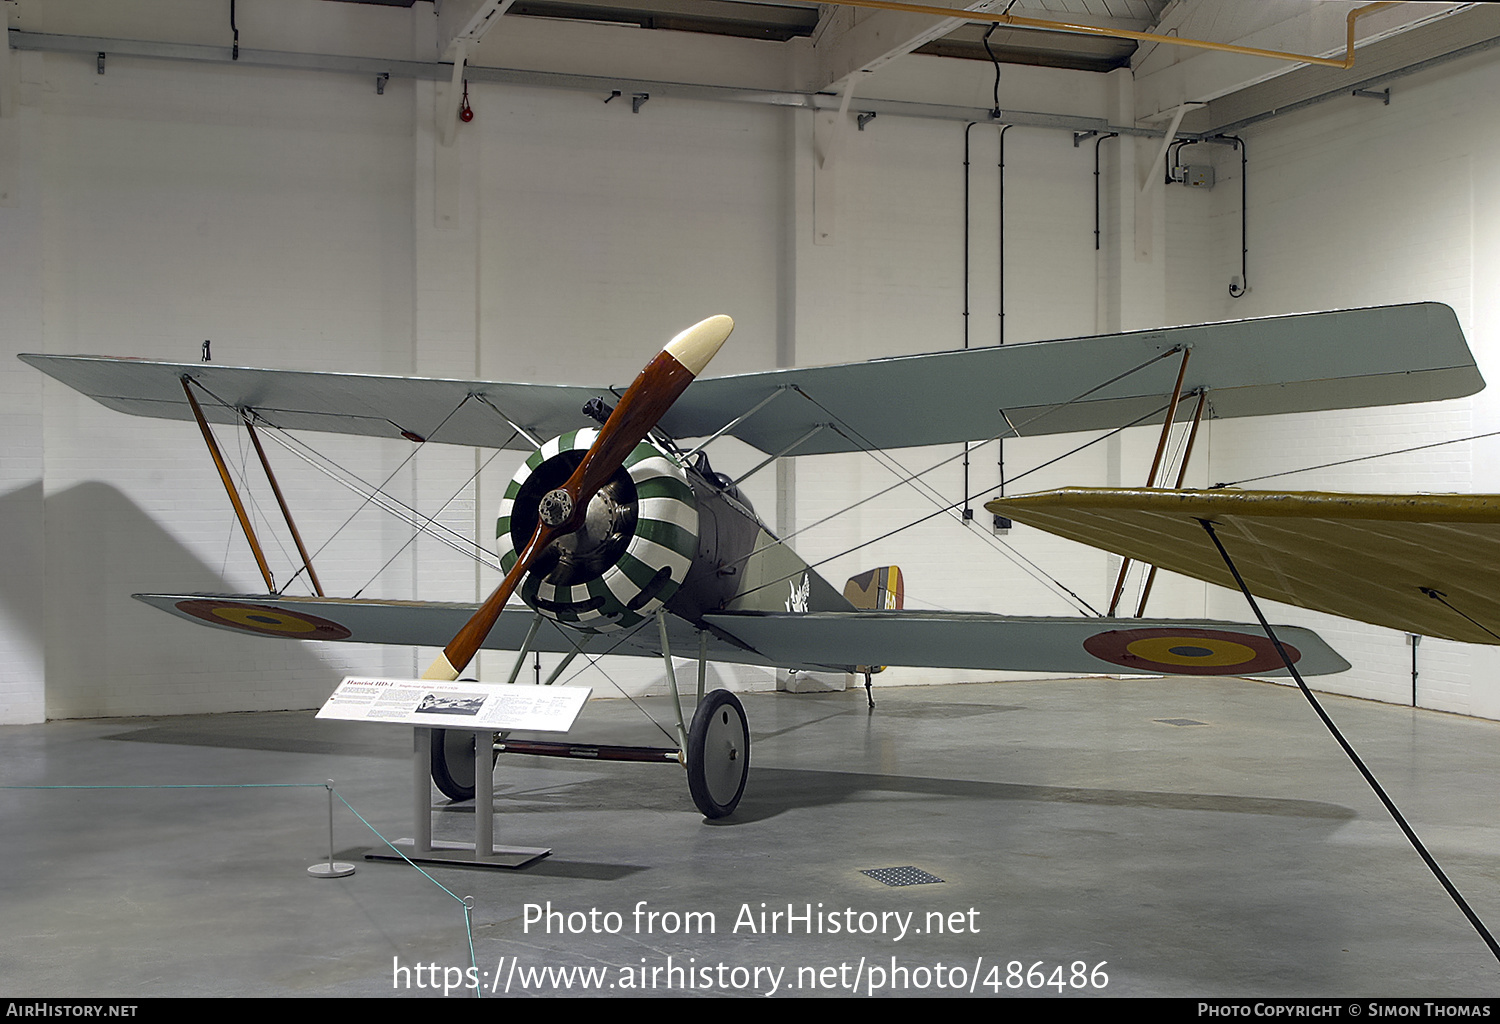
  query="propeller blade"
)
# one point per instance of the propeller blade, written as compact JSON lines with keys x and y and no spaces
{"x":645,"y":402}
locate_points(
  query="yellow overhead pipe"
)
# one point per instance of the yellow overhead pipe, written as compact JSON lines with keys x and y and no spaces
{"x":1122,"y":33}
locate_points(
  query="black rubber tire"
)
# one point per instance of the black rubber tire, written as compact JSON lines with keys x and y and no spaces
{"x":453,"y":762}
{"x":718,"y":754}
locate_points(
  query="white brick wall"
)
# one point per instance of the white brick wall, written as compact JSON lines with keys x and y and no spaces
{"x":290,"y":217}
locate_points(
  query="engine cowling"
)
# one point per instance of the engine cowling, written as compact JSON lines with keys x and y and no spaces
{"x":630,"y":554}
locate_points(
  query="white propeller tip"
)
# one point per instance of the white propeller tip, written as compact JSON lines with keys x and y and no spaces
{"x":694,"y":347}
{"x":441,"y":669}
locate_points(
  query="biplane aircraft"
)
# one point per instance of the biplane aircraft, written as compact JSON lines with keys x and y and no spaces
{"x":617,"y":535}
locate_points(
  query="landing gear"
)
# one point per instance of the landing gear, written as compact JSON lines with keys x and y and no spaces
{"x":453,"y":762}
{"x":718,"y":754}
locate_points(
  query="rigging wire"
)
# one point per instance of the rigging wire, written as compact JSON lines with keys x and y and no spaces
{"x":958,"y":504}
{"x":905,"y":476}
{"x":380,"y":489}
{"x":1012,"y":431}
{"x":593,"y":660}
{"x":256,"y":512}
{"x":431,"y":521}
{"x":1390,"y":805}
{"x":1361,"y":458}
{"x":376,"y":492}
{"x":381,"y":500}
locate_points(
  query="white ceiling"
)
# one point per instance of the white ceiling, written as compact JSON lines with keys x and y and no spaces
{"x":792,"y":46}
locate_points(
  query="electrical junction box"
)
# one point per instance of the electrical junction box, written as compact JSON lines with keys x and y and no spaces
{"x":1198,"y":177}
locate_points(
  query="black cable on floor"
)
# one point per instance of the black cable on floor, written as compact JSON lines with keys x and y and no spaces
{"x":1390,"y":805}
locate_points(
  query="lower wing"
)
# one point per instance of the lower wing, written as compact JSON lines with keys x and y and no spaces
{"x":1423,"y":563}
{"x":817,"y":641}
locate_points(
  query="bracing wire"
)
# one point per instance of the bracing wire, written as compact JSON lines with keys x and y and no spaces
{"x":960,"y":503}
{"x":1012,"y":431}
{"x":430,"y":521}
{"x":1369,"y":776}
{"x":905,"y":476}
{"x":381,"y":500}
{"x":1360,"y":458}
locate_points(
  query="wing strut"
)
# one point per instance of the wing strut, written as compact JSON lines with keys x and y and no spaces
{"x":234,"y":495}
{"x":1390,"y":805}
{"x":286,"y":513}
{"x":1187,"y":453}
{"x":1161,"y":446}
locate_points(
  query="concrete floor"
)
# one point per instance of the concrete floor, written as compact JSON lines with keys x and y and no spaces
{"x":1239,"y":855}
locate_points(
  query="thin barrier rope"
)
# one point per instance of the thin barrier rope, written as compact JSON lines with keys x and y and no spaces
{"x":1390,"y":805}
{"x":465,"y":903}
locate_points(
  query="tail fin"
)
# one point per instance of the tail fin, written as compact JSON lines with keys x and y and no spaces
{"x":877,"y":589}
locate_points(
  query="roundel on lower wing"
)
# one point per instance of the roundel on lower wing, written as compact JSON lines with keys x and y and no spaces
{"x":254,"y":618}
{"x":1189,"y":652}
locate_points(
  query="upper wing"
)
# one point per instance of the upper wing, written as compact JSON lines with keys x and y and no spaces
{"x":1424,"y":563}
{"x":1344,"y":359}
{"x":816,"y":641}
{"x":455,"y":411}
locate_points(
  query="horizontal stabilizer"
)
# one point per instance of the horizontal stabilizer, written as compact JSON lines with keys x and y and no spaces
{"x":1422,"y":563}
{"x":1343,"y":359}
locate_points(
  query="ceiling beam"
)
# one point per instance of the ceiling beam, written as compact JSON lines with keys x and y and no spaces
{"x":1167,"y":76}
{"x":462,"y":23}
{"x":850,"y":40}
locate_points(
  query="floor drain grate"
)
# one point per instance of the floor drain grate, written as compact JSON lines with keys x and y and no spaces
{"x":901,"y":876}
{"x":1179,"y":721}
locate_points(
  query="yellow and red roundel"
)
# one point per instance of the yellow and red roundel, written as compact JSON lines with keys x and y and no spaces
{"x":1189,"y":652}
{"x":254,"y":618}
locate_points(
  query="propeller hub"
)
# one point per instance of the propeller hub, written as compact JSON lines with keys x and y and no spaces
{"x":556,"y":507}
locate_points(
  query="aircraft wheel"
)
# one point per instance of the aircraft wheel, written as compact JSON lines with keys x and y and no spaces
{"x":453,"y":762}
{"x":718,"y":754}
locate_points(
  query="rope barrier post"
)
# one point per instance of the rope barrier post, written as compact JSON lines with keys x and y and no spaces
{"x":332,"y":869}
{"x":468,"y":902}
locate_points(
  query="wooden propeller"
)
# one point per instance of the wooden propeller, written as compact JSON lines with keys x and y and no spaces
{"x":561,"y":510}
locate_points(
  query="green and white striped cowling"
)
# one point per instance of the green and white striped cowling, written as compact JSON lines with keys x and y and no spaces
{"x":666,"y":537}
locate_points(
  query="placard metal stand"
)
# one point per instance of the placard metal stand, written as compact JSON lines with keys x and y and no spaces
{"x":468,"y":706}
{"x":482,"y":852}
